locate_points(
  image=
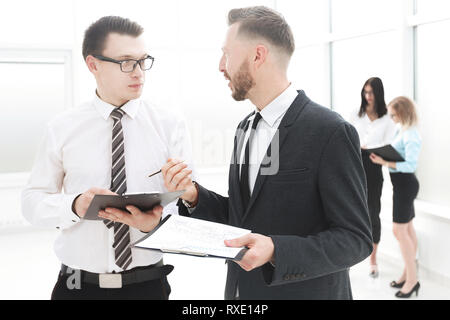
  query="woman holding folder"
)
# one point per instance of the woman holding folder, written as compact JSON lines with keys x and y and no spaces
{"x":375,"y":129}
{"x":405,"y":186}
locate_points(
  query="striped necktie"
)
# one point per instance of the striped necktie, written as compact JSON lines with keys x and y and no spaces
{"x":121,"y":244}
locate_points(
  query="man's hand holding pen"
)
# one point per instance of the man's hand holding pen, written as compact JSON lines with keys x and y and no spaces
{"x":178,"y":177}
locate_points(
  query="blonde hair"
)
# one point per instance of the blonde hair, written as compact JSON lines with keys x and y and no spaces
{"x":406,"y":111}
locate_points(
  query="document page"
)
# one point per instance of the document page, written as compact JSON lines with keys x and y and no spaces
{"x":177,"y":234}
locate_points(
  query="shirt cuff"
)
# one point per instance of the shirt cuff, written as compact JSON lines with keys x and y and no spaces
{"x":68,"y":217}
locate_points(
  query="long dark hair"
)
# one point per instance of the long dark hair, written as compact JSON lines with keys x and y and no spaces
{"x":378,"y":92}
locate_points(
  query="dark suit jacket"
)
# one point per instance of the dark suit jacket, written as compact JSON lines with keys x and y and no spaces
{"x":314,"y":209}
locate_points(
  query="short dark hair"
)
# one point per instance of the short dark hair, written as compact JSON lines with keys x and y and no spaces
{"x":264,"y":22}
{"x":378,"y":92}
{"x":96,"y":34}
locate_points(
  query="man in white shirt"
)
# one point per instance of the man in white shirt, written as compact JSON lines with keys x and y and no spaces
{"x":107,"y":146}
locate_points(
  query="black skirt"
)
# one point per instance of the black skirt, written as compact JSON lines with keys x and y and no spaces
{"x":406,"y":188}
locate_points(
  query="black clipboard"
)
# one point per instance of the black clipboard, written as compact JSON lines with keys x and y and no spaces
{"x":143,"y":201}
{"x":387,"y":152}
{"x":238,"y":257}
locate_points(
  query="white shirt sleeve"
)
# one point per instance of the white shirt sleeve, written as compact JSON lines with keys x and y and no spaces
{"x":43,"y":204}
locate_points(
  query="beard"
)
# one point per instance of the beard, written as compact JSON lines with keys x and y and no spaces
{"x":242,"y":82}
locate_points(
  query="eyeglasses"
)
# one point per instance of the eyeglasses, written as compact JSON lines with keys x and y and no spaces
{"x":129,"y":65}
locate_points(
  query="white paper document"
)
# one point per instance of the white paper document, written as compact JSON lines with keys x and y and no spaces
{"x":184,"y":235}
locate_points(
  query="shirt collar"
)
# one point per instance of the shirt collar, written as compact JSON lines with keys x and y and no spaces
{"x":130,"y":108}
{"x":274,"y":110}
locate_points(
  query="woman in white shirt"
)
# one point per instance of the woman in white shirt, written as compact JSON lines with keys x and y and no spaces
{"x":375,"y":128}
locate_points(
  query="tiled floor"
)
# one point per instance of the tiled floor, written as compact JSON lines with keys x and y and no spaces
{"x":29,"y":270}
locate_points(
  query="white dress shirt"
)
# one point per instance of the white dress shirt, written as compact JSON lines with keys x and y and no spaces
{"x":76,"y":156}
{"x":271,"y":117}
{"x":376,"y":133}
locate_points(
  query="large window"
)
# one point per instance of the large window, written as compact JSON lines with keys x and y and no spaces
{"x":356,"y":60}
{"x":357,"y":16}
{"x":433,"y":69}
{"x":309,"y":69}
{"x":37,"y":23}
{"x":309,"y":20}
{"x":433,"y":7}
{"x":33,"y":91}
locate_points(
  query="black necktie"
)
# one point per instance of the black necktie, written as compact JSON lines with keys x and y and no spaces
{"x":121,"y":244}
{"x":244,"y":181}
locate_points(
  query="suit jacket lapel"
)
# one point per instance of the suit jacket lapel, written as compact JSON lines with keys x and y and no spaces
{"x":275,"y":146}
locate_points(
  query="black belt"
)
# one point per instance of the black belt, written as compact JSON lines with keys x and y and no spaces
{"x":117,"y":280}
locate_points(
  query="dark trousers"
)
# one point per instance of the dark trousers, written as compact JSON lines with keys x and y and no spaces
{"x":374,"y":177}
{"x":65,"y":289}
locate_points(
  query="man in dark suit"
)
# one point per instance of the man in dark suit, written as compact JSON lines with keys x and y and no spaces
{"x":303,"y":196}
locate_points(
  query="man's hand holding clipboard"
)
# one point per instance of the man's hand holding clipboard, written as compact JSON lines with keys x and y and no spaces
{"x":134,"y":217}
{"x":261,"y":247}
{"x":145,"y":214}
{"x":144,"y":221}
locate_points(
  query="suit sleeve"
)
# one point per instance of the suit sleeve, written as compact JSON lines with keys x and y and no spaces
{"x":211,"y":206}
{"x":348,"y":240}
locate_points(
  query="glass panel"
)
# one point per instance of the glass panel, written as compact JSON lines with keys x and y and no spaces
{"x":354,"y":16}
{"x":309,"y":20}
{"x":158,"y":18}
{"x":308,"y":72}
{"x":31,"y":95}
{"x":356,"y":60}
{"x":211,"y":113}
{"x":432,"y":93}
{"x":430,"y":7}
{"x":203,"y":23}
{"x":37,"y":22}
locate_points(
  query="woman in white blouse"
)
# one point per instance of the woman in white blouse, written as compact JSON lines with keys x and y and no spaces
{"x":375,"y":129}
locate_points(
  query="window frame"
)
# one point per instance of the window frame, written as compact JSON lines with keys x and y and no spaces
{"x":37,"y":56}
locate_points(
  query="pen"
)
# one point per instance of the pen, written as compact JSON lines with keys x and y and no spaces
{"x":154,"y":173}
{"x":159,"y":171}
